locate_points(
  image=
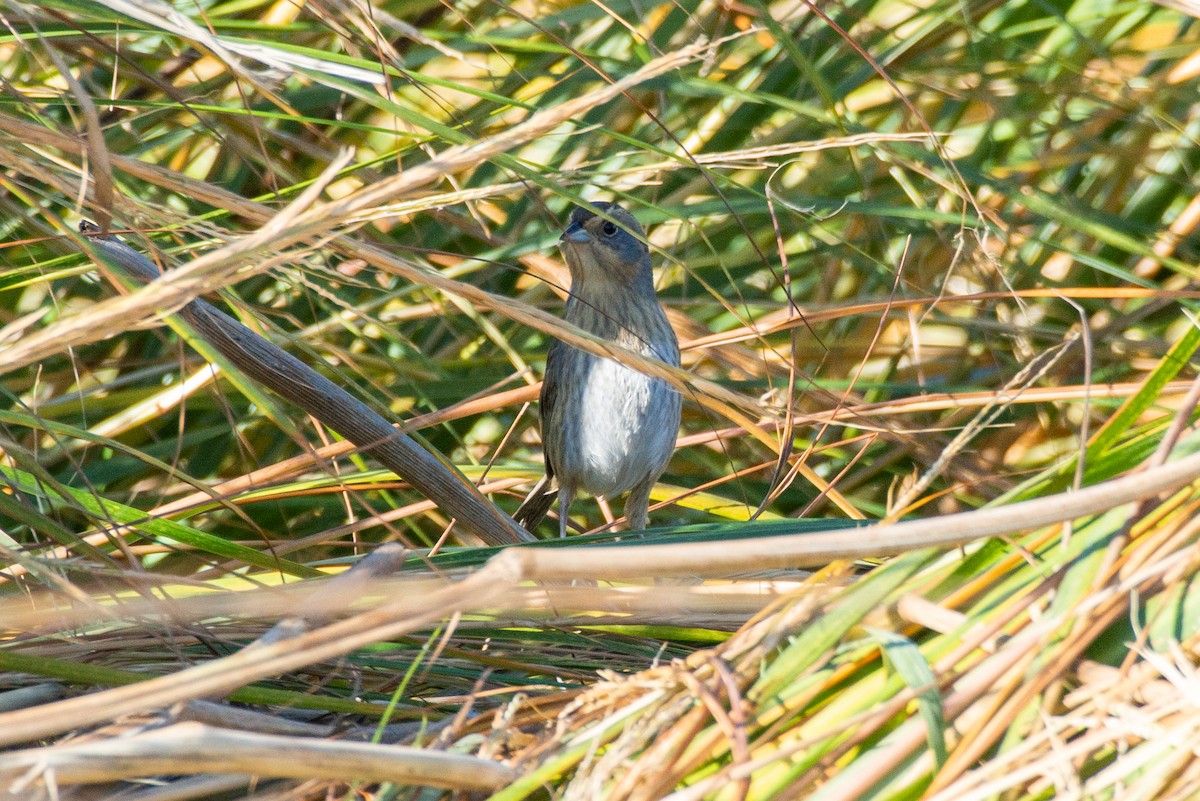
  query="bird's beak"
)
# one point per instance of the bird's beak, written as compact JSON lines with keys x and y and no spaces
{"x":576,"y":234}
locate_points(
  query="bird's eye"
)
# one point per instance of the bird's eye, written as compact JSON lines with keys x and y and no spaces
{"x":609,"y":229}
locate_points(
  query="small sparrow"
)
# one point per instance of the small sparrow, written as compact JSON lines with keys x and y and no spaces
{"x":606,"y":428}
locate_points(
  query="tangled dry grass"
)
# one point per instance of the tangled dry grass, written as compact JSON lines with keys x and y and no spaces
{"x":932,"y":267}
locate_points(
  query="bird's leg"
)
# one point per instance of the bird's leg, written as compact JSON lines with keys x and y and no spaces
{"x":637,"y":507}
{"x":565,"y":495}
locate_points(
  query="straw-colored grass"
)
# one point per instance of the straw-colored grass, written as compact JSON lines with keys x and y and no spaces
{"x":932,"y":267}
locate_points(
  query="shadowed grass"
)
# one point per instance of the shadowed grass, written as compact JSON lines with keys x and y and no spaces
{"x":882,"y":316}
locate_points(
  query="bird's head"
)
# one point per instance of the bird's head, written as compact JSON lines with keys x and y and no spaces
{"x":606,"y":248}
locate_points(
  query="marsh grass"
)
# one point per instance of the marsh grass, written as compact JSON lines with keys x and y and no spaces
{"x":923,"y":259}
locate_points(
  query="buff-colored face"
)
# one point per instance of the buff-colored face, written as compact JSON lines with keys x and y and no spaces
{"x":612,"y":247}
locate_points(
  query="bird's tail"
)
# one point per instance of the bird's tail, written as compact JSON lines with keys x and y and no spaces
{"x":537,"y":503}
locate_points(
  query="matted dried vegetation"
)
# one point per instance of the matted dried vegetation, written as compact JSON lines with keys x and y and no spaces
{"x":932,"y":265}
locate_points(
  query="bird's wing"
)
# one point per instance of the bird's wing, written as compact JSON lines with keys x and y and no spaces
{"x":537,"y":503}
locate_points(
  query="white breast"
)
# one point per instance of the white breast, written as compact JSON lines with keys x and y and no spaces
{"x":615,"y":399}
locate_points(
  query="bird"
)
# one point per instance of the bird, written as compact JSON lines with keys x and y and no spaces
{"x":606,"y":428}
